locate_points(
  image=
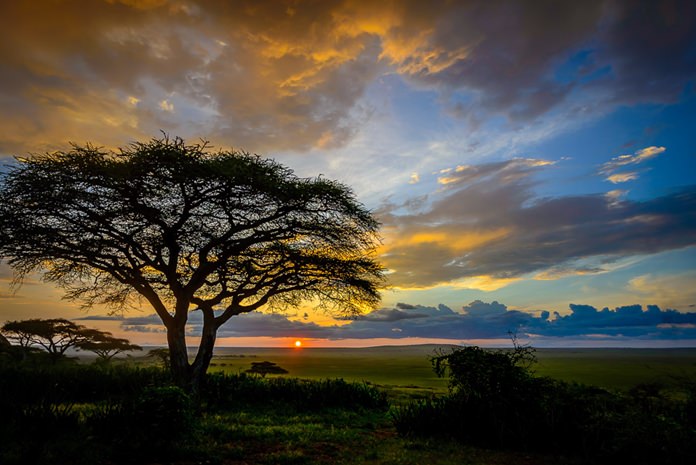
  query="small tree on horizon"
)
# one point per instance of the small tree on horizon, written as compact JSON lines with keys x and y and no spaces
{"x":162,"y":355}
{"x":187,"y":229}
{"x":266,"y":368}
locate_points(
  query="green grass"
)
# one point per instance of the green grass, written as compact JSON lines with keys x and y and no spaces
{"x":408,"y":370}
{"x":384,"y":366}
{"x":616,"y":368}
{"x":270,"y":436}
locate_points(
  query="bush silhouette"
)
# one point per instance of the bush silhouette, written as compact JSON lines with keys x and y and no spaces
{"x":495,"y":400}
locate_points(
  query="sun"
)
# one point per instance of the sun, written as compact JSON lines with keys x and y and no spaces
{"x":298,"y":343}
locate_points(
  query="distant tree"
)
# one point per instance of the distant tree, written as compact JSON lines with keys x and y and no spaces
{"x":4,"y":343}
{"x":161,"y":354}
{"x":266,"y":368}
{"x":187,"y":229}
{"x":56,"y":335}
{"x":104,"y":344}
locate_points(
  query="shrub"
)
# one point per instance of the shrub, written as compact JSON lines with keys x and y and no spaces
{"x":496,"y":401}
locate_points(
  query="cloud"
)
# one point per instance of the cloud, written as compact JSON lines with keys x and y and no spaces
{"x":4,"y":295}
{"x":105,"y":318}
{"x":487,"y":226}
{"x":390,"y":314}
{"x":648,"y":50}
{"x":248,"y":73}
{"x":629,"y":321}
{"x":269,"y":77}
{"x":622,"y":177}
{"x":671,"y":289}
{"x":166,"y":105}
{"x":521,"y":61}
{"x":477,"y":320}
{"x":622,"y":161}
{"x":614,"y":196}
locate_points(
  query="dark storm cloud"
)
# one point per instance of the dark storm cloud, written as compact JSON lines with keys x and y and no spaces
{"x":477,"y":320}
{"x":524,"y":234}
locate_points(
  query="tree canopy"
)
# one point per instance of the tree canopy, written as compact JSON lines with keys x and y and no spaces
{"x":57,"y":335}
{"x":187,"y":228}
{"x":105,"y":345}
{"x":266,"y":368}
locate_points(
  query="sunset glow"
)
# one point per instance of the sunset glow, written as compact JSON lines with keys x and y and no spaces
{"x":532,"y":169}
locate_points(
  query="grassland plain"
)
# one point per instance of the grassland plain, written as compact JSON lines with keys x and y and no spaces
{"x":408,"y":367}
{"x":278,"y":433}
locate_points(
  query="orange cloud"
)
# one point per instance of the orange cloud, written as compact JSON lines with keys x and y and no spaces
{"x":425,"y":257}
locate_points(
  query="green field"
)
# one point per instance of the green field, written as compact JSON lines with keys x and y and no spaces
{"x":409,"y":367}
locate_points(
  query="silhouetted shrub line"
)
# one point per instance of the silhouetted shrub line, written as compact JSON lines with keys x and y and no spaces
{"x":496,"y":401}
{"x":71,"y":413}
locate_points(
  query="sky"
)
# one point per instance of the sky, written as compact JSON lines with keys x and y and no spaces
{"x":533,"y":164}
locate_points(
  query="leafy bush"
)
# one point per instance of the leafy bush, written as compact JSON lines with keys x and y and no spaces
{"x":496,"y":401}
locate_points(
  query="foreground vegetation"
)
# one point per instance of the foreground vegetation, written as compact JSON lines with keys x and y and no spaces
{"x":496,"y":411}
{"x":495,"y":400}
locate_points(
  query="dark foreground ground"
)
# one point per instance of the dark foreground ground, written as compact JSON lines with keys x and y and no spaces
{"x":82,"y":414}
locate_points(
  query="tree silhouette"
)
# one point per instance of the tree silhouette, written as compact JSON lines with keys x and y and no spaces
{"x":186,"y":229}
{"x":161,"y":354}
{"x":55,"y":335}
{"x":104,"y":344}
{"x":266,"y":368}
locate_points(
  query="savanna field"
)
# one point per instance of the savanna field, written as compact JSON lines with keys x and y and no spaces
{"x":383,"y":405}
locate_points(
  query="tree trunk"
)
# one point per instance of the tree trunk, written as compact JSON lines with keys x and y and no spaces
{"x":178,"y":355}
{"x":205,"y":352}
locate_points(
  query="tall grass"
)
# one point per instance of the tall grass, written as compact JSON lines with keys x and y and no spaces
{"x":70,"y":413}
{"x":236,"y":390}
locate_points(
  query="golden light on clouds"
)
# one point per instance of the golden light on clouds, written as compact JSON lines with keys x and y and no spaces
{"x":622,"y":177}
{"x":428,"y":257}
{"x":454,"y":240}
{"x":166,"y":105}
{"x":483,"y":283}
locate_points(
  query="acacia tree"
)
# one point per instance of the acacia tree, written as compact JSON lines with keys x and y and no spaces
{"x":266,"y":368}
{"x":105,"y":345}
{"x":187,"y":229}
{"x":55,"y":335}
